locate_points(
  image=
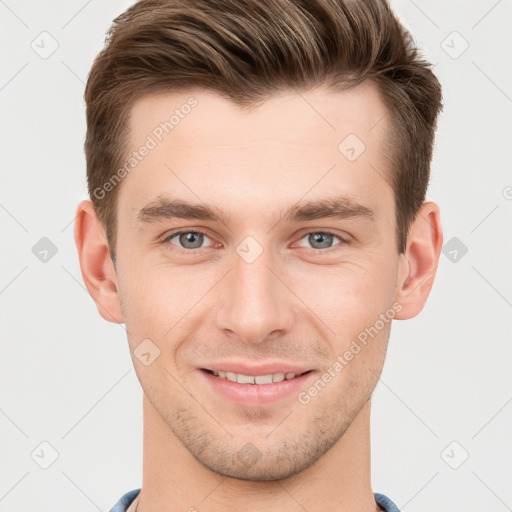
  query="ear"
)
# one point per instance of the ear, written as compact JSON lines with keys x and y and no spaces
{"x":418,"y":264}
{"x":98,"y":270}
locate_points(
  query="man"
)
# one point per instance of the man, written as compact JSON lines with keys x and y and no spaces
{"x":258,"y":172}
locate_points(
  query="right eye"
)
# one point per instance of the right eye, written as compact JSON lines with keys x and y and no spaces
{"x":188,"y":240}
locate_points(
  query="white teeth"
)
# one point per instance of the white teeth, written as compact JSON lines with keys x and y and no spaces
{"x":263,"y":379}
{"x":231,"y":376}
{"x":244,"y":379}
{"x":251,"y":379}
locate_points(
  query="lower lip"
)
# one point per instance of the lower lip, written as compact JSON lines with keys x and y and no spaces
{"x":256,"y":394}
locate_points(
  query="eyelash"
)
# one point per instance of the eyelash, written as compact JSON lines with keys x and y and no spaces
{"x":167,"y":240}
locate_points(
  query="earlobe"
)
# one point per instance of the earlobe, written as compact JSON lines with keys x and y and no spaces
{"x":418,"y":264}
{"x":96,"y":264}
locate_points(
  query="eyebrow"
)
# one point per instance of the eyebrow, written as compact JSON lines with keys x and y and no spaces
{"x":341,"y":207}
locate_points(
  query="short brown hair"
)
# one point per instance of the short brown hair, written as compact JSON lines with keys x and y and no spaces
{"x":245,"y":50}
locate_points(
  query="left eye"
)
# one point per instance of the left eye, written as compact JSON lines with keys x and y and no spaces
{"x":191,"y":240}
{"x":320,"y":240}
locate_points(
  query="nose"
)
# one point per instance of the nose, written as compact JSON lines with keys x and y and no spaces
{"x":255,"y":302}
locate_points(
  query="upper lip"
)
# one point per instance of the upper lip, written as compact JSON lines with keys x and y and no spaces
{"x":254,"y":370}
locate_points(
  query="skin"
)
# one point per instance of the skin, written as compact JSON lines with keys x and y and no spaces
{"x":299,"y":301}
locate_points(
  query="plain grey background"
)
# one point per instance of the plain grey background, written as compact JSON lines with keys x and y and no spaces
{"x":70,"y":410}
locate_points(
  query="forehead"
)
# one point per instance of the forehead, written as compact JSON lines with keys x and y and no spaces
{"x":293,"y":144}
{"x":287,"y":116}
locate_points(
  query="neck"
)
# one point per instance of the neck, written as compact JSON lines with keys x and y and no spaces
{"x":174,"y":480}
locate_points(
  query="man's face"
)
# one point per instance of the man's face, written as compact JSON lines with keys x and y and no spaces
{"x":261,"y":292}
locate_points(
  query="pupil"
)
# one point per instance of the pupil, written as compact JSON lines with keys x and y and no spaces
{"x":322,"y":238}
{"x":193,"y":238}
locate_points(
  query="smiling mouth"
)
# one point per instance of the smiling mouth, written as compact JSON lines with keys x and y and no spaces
{"x":254,"y":379}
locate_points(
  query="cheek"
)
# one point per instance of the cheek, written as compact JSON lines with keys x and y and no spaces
{"x":351,"y":296}
{"x":158,"y":298}
{"x":146,"y":301}
{"x":347,"y":297}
